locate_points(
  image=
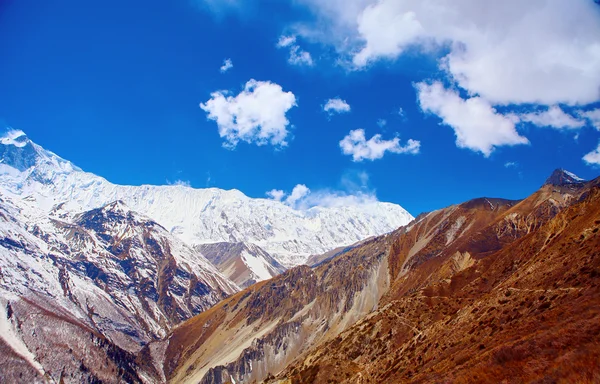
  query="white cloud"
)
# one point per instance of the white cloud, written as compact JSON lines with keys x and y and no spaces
{"x":356,"y":145}
{"x":330,"y":198}
{"x":276,"y":194}
{"x":336,"y":105}
{"x":297,"y":56}
{"x":227,"y":65}
{"x":183,"y":183}
{"x":592,"y":116}
{"x":553,"y":117}
{"x":476,"y":123}
{"x":511,"y":164}
{"x":401,"y":112}
{"x":285,"y":41}
{"x":593,"y":158}
{"x":256,"y":115}
{"x":303,"y":198}
{"x":300,"y":191}
{"x":381,"y":123}
{"x":300,"y":57}
{"x":507,"y":52}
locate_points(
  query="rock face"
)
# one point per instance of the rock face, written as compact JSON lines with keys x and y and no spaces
{"x":265,"y":327}
{"x":484,"y":291}
{"x":244,"y":264}
{"x":96,"y":288}
{"x":195,"y":216}
{"x":561,"y":177}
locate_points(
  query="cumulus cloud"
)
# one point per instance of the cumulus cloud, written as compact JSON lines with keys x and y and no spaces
{"x":297,"y":56}
{"x":336,"y":105}
{"x":381,"y":123}
{"x":227,"y":65}
{"x":477,"y":125}
{"x":300,"y":191}
{"x":507,"y":52}
{"x":183,"y":183}
{"x":286,"y":41}
{"x":276,"y":194}
{"x":356,"y":145}
{"x":303,"y":198}
{"x":592,"y":116}
{"x":511,"y":164}
{"x":593,"y":158}
{"x":256,"y":115}
{"x":553,"y":117}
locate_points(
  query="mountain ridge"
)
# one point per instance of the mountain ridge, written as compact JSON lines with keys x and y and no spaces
{"x":198,"y":216}
{"x":329,"y":316}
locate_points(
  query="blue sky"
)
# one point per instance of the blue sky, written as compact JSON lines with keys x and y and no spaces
{"x":115,"y":87}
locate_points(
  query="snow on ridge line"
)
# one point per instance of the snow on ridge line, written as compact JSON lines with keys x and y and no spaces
{"x":199,"y":216}
{"x":10,"y":136}
{"x":573,"y":176}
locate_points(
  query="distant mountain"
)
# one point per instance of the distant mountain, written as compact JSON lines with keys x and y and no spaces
{"x":196,"y":216}
{"x":562,"y":177}
{"x":245,"y":264}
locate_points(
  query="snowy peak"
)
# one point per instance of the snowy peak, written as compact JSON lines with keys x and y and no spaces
{"x":562,"y":177}
{"x":195,"y":216}
{"x":19,"y":152}
{"x":117,"y":206}
{"x":14,"y":137}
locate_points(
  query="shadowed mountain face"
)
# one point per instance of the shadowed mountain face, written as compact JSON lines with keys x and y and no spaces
{"x":561,"y":177}
{"x":464,"y":293}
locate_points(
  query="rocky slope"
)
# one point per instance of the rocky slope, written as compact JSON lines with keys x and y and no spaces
{"x":488,"y":291}
{"x":263,"y":328}
{"x":103,"y":285}
{"x":463,"y":293}
{"x":196,"y":216}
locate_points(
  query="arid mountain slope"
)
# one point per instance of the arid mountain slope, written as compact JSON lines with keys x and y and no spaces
{"x":263,"y":328}
{"x":520,"y":310}
{"x":392,"y":309}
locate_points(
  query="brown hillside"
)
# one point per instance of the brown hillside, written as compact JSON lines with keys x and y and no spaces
{"x":526,"y":312}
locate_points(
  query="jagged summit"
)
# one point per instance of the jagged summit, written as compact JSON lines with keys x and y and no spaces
{"x":14,"y":137}
{"x":19,"y":152}
{"x":563,"y":177}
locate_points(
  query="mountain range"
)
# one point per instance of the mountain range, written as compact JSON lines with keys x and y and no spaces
{"x":116,"y":267}
{"x":106,"y":283}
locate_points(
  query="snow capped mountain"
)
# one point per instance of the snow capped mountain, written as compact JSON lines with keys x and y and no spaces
{"x":121,"y":271}
{"x":563,"y":177}
{"x":91,"y":271}
{"x":196,"y":216}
